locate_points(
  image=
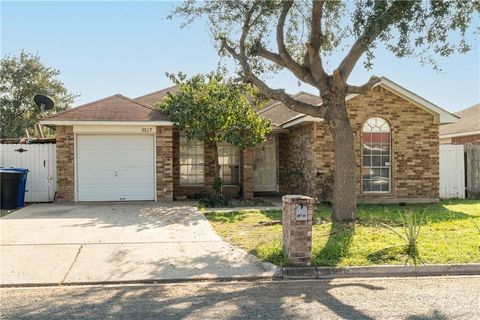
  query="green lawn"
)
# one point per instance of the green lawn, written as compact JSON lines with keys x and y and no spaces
{"x":450,"y":234}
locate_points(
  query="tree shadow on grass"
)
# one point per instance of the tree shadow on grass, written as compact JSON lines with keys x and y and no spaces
{"x":226,"y":217}
{"x":337,"y":246}
{"x":374,"y":214}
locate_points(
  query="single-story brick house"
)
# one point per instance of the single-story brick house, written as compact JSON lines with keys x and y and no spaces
{"x":119,"y":148}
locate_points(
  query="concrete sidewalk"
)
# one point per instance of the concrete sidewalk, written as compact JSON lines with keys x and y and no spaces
{"x":120,"y":242}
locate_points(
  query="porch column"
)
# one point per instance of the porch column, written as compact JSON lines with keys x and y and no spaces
{"x":247,"y":172}
{"x":164,"y":163}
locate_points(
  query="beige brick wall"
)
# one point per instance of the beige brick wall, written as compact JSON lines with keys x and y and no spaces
{"x":65,"y":164}
{"x":474,"y":138}
{"x":415,"y":148}
{"x":164,"y":141}
{"x":296,"y":160}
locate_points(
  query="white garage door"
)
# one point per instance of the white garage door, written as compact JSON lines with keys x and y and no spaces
{"x":115,"y":167}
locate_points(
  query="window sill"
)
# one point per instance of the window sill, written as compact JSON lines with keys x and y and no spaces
{"x":376,"y":192}
{"x":191,"y":185}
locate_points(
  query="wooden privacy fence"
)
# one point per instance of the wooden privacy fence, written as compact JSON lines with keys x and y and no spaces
{"x":40,"y":160}
{"x":452,"y":171}
{"x":472,"y":156}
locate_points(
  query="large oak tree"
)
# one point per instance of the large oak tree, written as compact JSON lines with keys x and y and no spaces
{"x":300,"y":36}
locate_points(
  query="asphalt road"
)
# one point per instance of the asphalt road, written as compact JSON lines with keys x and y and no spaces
{"x":388,"y":298}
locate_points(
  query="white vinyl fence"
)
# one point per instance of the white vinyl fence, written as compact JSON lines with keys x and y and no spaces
{"x":452,"y":171}
{"x":40,"y":160}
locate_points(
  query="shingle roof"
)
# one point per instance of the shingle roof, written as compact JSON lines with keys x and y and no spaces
{"x":278,"y":113}
{"x":469,"y":121}
{"x":150,"y":98}
{"x":113,"y":108}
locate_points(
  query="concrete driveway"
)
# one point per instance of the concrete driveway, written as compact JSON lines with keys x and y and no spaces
{"x":82,"y":243}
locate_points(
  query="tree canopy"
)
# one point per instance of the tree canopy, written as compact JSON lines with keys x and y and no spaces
{"x":21,"y":78}
{"x":213,"y":109}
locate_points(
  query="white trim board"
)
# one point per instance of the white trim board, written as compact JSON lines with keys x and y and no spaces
{"x":106,"y":123}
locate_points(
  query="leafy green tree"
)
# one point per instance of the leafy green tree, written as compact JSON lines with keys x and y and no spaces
{"x":214,"y":109}
{"x":21,"y":78}
{"x":302,"y":36}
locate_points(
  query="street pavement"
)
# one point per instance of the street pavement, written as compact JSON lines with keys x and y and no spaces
{"x":369,"y":298}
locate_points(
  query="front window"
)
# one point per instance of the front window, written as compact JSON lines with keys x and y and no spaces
{"x":376,"y":155}
{"x":191,"y":162}
{"x":229,"y":161}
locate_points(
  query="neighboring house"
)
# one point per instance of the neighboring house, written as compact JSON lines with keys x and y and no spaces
{"x":466,"y":130}
{"x":119,"y":148}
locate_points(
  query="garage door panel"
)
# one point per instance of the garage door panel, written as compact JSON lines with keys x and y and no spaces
{"x":115,"y":167}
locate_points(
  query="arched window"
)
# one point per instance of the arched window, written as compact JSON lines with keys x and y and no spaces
{"x":376,"y":141}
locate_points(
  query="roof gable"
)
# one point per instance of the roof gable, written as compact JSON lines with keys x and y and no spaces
{"x":150,"y":98}
{"x":469,"y":123}
{"x":281,"y":115}
{"x":113,"y":108}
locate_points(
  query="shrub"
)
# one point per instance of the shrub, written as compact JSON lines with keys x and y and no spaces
{"x":214,"y":201}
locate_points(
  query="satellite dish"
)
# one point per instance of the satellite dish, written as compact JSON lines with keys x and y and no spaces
{"x":43,"y":102}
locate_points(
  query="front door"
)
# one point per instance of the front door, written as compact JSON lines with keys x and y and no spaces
{"x":265,"y":166}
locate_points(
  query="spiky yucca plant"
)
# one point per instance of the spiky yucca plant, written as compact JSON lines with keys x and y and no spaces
{"x":411,"y":227}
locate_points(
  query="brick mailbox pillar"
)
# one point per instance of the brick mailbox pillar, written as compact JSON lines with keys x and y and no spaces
{"x":297,"y":229}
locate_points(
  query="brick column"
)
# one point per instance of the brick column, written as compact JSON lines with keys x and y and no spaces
{"x":297,"y":229}
{"x":65,"y":164}
{"x":247,"y":172}
{"x":164,"y":146}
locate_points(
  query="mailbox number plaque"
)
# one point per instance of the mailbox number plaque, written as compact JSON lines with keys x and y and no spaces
{"x":301,"y":212}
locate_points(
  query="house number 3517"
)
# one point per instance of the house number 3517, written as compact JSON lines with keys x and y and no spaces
{"x":146,"y":130}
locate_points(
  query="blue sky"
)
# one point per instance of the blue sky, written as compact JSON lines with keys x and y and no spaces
{"x":103,"y":48}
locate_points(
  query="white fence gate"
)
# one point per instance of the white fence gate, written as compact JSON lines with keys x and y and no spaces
{"x":452,"y":171}
{"x":40,"y":160}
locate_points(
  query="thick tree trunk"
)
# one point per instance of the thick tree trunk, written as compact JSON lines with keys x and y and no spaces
{"x":344,"y":185}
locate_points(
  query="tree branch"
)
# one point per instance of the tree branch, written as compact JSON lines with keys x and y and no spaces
{"x":269,"y":55}
{"x":316,"y":33}
{"x":313,"y":48}
{"x":374,"y":27}
{"x":298,"y":70}
{"x":365,"y":87}
{"x":276,"y":94}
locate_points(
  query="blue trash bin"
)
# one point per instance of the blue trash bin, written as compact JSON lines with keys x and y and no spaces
{"x":22,"y":185}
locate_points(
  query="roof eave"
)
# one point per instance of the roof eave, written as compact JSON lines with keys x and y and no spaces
{"x":300,"y":119}
{"x":460,"y":134}
{"x":441,"y":115}
{"x":104,"y":123}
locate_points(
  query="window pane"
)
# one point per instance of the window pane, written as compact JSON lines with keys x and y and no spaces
{"x":376,"y":185}
{"x":367,"y":161}
{"x":385,"y":161}
{"x":367,"y":185}
{"x":191,"y":161}
{"x":183,"y":179}
{"x":366,"y":173}
{"x":236,"y":175}
{"x":229,"y":160}
{"x":367,"y":149}
{"x":386,"y":138}
{"x":376,"y":161}
{"x":376,"y":149}
{"x":376,"y":155}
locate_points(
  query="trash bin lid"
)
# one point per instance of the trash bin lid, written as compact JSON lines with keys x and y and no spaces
{"x":17,"y":170}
